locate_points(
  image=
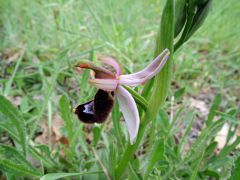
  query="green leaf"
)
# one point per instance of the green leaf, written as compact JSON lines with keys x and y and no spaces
{"x":96,"y":135}
{"x":9,"y":83}
{"x":189,"y":118}
{"x":163,"y":79}
{"x":236,"y":171}
{"x":116,"y":123}
{"x":14,"y":162}
{"x":53,"y":176}
{"x":11,"y":131}
{"x":140,"y":100}
{"x":199,"y":18}
{"x":179,"y":93}
{"x":229,"y":117}
{"x":197,"y":12}
{"x":11,"y":112}
{"x":215,"y":105}
{"x":227,"y":149}
{"x":86,"y":73}
{"x":157,"y":154}
{"x":10,"y":153}
{"x":42,"y":156}
{"x":210,"y":173}
{"x":180,"y":14}
{"x":201,"y":142}
{"x":66,"y":115}
{"x":17,"y":169}
{"x":210,"y":150}
{"x":196,"y":169}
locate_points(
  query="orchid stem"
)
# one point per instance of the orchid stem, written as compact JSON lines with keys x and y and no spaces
{"x":160,"y":86}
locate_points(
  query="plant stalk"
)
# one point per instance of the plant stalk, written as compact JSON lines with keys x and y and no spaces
{"x":161,"y":82}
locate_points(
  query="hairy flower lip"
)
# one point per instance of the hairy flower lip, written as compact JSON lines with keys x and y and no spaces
{"x":112,"y":82}
{"x":96,"y":110}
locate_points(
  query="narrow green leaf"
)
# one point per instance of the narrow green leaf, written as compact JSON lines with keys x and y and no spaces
{"x":180,"y":14}
{"x":53,"y":176}
{"x":66,"y":115}
{"x":116,"y":123}
{"x":96,"y":135}
{"x":47,"y":162}
{"x":9,"y":152}
{"x":86,"y":74}
{"x":188,"y":24}
{"x":163,"y":79}
{"x":18,"y":169}
{"x":196,"y":169}
{"x":11,"y":112}
{"x":9,"y":83}
{"x":82,"y":143}
{"x":140,"y":100}
{"x":210,"y":173}
{"x":190,"y":120}
{"x":227,"y":149}
{"x":210,"y":150}
{"x":178,"y":94}
{"x":157,"y":154}
{"x":206,"y":135}
{"x":11,"y":131}
{"x":229,"y":117}
{"x":199,"y":18}
{"x":215,"y":105}
{"x":236,"y":171}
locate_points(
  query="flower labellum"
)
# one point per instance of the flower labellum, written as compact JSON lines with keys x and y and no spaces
{"x":97,"y":110}
{"x":109,"y":84}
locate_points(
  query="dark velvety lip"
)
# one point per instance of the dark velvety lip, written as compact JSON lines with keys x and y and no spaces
{"x":97,"y":110}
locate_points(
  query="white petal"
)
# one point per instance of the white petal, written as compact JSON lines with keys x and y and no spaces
{"x":130,"y":112}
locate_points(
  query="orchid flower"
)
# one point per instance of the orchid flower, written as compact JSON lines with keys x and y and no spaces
{"x":110,"y":84}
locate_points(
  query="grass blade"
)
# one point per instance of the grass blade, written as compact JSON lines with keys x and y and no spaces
{"x":157,"y":154}
{"x":13,"y":153}
{"x":236,"y":171}
{"x":195,"y":171}
{"x":15,"y":117}
{"x":215,"y":105}
{"x":66,"y":115}
{"x":53,"y":176}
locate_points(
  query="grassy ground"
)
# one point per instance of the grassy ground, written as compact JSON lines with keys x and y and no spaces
{"x":41,"y":40}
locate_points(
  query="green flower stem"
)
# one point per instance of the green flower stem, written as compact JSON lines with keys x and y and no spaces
{"x":130,"y":151}
{"x":161,"y":82}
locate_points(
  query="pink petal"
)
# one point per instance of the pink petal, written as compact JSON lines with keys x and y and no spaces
{"x":112,"y":62}
{"x":130,"y":112}
{"x":147,"y":73}
{"x":100,"y":72}
{"x":105,"y":84}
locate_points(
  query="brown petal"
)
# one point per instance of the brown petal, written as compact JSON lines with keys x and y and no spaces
{"x":97,"y":110}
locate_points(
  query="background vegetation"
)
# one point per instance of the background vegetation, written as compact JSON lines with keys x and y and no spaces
{"x":40,"y":42}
